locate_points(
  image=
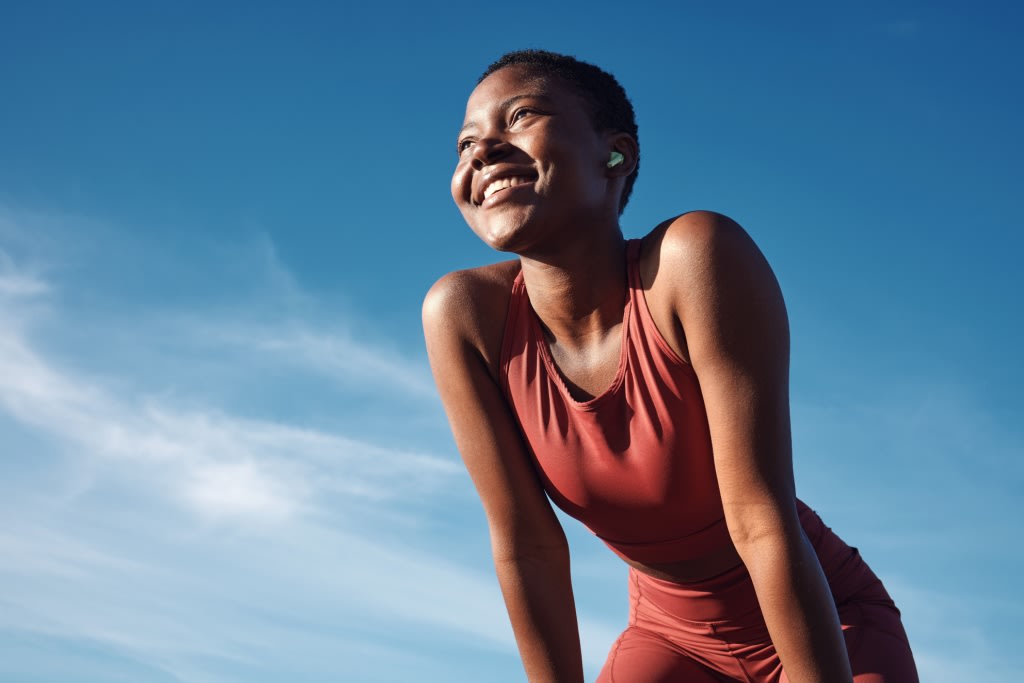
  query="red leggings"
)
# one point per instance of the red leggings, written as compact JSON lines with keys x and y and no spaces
{"x":713,"y":631}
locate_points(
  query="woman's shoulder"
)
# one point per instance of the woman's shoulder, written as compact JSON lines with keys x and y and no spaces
{"x":691,"y":234}
{"x":699,"y":249}
{"x":472,"y":305}
{"x":462,"y":293}
{"x":701,"y":266}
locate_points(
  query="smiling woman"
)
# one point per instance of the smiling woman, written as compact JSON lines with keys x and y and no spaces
{"x":643,"y":387}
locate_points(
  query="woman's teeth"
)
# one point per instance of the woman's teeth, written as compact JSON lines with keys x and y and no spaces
{"x":504,"y":184}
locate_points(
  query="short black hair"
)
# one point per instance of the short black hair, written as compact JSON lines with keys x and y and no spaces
{"x":610,"y":106}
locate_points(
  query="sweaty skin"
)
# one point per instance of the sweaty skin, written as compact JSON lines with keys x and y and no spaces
{"x":703,"y":276}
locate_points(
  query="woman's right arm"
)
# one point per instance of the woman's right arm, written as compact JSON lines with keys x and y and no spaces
{"x":463,"y":320}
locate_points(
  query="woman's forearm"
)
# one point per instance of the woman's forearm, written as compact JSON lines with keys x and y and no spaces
{"x":538,"y":595}
{"x":798,"y":608}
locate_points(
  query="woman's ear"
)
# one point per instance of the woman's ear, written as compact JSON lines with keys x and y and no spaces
{"x":622,"y":155}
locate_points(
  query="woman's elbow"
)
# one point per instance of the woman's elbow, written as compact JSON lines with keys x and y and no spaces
{"x":763,"y":530}
{"x":554,"y":549}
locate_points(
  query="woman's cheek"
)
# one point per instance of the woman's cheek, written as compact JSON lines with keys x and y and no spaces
{"x":458,"y":185}
{"x":461,"y":183}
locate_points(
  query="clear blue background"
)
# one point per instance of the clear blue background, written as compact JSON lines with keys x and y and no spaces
{"x":221,"y":457}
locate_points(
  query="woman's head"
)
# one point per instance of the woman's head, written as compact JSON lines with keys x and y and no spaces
{"x":548,"y":148}
{"x":609,"y":105}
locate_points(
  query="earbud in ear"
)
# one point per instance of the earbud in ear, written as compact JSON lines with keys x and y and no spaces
{"x":614,"y":159}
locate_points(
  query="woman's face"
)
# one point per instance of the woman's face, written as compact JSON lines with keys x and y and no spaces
{"x":531,"y":165}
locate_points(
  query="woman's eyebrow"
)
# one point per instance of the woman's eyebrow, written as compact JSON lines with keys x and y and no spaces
{"x":508,"y":103}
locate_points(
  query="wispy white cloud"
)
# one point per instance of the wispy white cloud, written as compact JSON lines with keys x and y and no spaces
{"x":244,"y":599}
{"x":190,"y":518}
{"x":336,"y":354}
{"x":18,"y":285}
{"x":347,"y":351}
{"x":215,"y":463}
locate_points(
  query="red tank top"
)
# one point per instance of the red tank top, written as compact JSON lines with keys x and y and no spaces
{"x":634,"y":464}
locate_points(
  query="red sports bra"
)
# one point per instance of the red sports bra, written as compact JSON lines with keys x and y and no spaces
{"x":634,"y":464}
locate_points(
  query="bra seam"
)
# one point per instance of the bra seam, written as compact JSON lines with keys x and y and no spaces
{"x":717,"y":522}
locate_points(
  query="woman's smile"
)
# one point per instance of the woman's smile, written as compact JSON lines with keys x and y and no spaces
{"x":506,"y":190}
{"x":497,"y":183}
{"x":504,"y":184}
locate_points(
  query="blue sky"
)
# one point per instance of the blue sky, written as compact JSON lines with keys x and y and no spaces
{"x":221,"y":456}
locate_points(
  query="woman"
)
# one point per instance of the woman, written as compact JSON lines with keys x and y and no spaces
{"x":643,"y":386}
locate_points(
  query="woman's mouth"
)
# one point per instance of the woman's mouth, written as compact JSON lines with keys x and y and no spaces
{"x":504,"y":184}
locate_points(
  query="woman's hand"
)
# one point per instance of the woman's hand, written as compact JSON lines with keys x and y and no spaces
{"x":463,"y":321}
{"x":729,"y":305}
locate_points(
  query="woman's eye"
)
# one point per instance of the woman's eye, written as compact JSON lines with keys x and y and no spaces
{"x":520,"y":114}
{"x":463,"y":145}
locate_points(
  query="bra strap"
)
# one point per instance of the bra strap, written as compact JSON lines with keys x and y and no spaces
{"x":633,"y":265}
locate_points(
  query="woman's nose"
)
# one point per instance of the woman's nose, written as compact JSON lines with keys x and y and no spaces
{"x":488,"y":150}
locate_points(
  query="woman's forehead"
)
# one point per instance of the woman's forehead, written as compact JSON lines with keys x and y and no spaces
{"x":514,"y":82}
{"x":514,"y":78}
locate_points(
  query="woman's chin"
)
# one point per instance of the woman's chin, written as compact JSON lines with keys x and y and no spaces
{"x":506,"y":233}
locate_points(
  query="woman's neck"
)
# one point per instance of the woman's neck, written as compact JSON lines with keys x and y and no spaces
{"x":579,"y":293}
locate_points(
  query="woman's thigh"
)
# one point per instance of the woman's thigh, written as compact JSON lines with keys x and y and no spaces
{"x":642,"y":657}
{"x":875,"y":640}
{"x":878,"y":646}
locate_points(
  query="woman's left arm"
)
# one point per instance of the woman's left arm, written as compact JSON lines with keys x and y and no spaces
{"x":733,"y":316}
